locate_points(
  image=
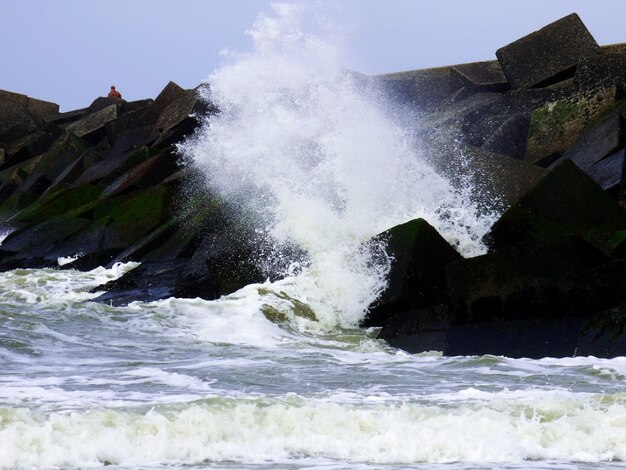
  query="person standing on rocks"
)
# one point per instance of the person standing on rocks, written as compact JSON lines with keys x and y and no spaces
{"x":114,"y":93}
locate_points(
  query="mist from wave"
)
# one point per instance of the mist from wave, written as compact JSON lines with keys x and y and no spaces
{"x":308,"y":154}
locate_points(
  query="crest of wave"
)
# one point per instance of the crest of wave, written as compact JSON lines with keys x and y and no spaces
{"x":309,"y":155}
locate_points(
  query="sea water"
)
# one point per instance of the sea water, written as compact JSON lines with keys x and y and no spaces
{"x":310,"y":156}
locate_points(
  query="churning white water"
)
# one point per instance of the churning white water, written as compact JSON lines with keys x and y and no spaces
{"x":307,"y":152}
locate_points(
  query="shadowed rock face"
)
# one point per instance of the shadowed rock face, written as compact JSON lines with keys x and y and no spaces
{"x":539,"y":134}
{"x":554,"y":279}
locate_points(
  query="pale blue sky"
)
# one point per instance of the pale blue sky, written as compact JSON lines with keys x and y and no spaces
{"x":71,"y":51}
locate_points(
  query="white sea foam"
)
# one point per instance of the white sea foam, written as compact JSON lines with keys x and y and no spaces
{"x":255,"y":431}
{"x":53,"y":285}
{"x":312,"y":160}
{"x":63,"y":260}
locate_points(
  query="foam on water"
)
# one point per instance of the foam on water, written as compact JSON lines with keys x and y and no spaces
{"x":52,"y":285}
{"x":308,"y":156}
{"x":291,"y":428}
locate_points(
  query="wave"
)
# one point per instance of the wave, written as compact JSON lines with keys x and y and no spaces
{"x":310,"y":156}
{"x":586,"y":429}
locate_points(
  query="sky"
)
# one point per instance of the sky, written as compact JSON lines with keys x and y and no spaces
{"x":71,"y":51}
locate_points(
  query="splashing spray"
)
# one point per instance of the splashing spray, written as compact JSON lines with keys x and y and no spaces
{"x":308,"y":152}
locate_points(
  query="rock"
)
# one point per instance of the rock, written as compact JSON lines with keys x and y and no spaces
{"x":613,"y":48}
{"x":600,"y":139}
{"x":138,"y":116}
{"x":556,"y":126}
{"x":104,"y":102}
{"x":148,"y":243}
{"x":425,"y":90}
{"x":603,"y":71}
{"x":86,"y":244}
{"x":41,"y":109}
{"x":133,"y":215}
{"x":31,"y":145}
{"x":522,"y":282}
{"x":144,"y":175}
{"x":417,"y":330}
{"x":27,"y":246}
{"x":569,"y":316}
{"x":148,"y":282}
{"x":91,"y":127}
{"x":510,"y":138}
{"x":60,"y":119}
{"x":120,"y":158}
{"x":481,"y":76}
{"x":483,"y":123}
{"x":15,"y":120}
{"x":609,"y":172}
{"x":417,"y":275}
{"x":498,"y":181}
{"x":15,"y":98}
{"x":62,"y":153}
{"x":37,"y":108}
{"x":535,"y":339}
{"x":547,"y":54}
{"x":176,"y":112}
{"x":224,"y":262}
{"x":564,"y":201}
{"x":63,"y":201}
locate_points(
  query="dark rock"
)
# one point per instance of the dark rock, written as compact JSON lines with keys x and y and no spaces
{"x":60,"y":119}
{"x":497,"y":180}
{"x":557,"y":125}
{"x":145,"y":174}
{"x":32,"y":145}
{"x":523,"y":282}
{"x":27,"y":246}
{"x":547,"y":53}
{"x":132,"y":106}
{"x":425,"y":90}
{"x":62,"y":153}
{"x":120,"y":158}
{"x":104,"y":102}
{"x":417,"y":276}
{"x":510,"y":138}
{"x":86,"y":244}
{"x":609,"y":172}
{"x":417,"y":330}
{"x":579,"y":317}
{"x":613,"y":48}
{"x":36,"y":108}
{"x":177,"y":112}
{"x":15,"y":98}
{"x":91,"y":127}
{"x":603,"y":71}
{"x":481,"y":76}
{"x":134,"y":215}
{"x":69,"y":201}
{"x":564,"y":201}
{"x":550,"y":337}
{"x":41,"y":109}
{"x":15,"y":120}
{"x":479,"y":125}
{"x":148,"y":282}
{"x":142,"y":116}
{"x":600,"y":139}
{"x":152,"y":241}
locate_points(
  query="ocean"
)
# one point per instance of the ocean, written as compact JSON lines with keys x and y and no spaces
{"x":278,"y":375}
